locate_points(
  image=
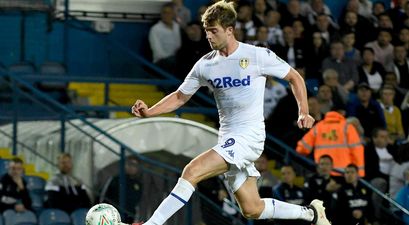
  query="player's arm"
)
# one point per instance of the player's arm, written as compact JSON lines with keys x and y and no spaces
{"x":168,"y":104}
{"x":300,"y":93}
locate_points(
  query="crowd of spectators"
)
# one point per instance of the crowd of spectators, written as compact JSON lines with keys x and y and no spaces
{"x":356,"y":68}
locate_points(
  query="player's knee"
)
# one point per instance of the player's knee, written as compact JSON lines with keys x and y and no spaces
{"x":191,"y":173}
{"x":252,"y":212}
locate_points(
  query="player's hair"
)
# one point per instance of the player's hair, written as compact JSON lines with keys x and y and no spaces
{"x":222,"y":13}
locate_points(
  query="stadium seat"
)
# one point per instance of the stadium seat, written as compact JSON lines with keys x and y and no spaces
{"x":37,"y":201}
{"x":78,"y":216}
{"x":52,"y":68}
{"x":3,"y":166}
{"x":11,"y":217}
{"x":54,"y":217}
{"x":312,"y":85}
{"x":35,"y":183}
{"x":22,"y":68}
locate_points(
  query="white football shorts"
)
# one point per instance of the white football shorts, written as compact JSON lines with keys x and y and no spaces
{"x":240,"y":153}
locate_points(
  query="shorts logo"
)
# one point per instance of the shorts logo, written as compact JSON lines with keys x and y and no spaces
{"x":231,"y":153}
{"x":229,"y":142}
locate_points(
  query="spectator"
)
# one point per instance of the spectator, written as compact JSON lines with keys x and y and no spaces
{"x":393,"y":116}
{"x":400,"y":66}
{"x":404,"y":37}
{"x":291,"y":51}
{"x":314,"y":8}
{"x":321,"y":185}
{"x":402,"y":196}
{"x":287,"y":191}
{"x":361,"y":27}
{"x":396,"y":181}
{"x":392,"y":80}
{"x":317,"y":51}
{"x":358,"y":126}
{"x":165,"y":39}
{"x":183,"y":15}
{"x":370,"y":71}
{"x":324,"y":97}
{"x":245,"y":21}
{"x":273,"y":92}
{"x":261,"y":37}
{"x":405,"y":113}
{"x":348,"y":39}
{"x":385,"y":22}
{"x":378,"y":9}
{"x":275,"y":33}
{"x":285,"y":126}
{"x":133,"y":190}
{"x":366,"y":109}
{"x":299,"y":31}
{"x":13,"y":188}
{"x":379,"y":156}
{"x":260,"y":9}
{"x":315,"y":109}
{"x":327,"y":31}
{"x":194,"y":46}
{"x":333,"y":136}
{"x":64,"y":191}
{"x":353,"y":201}
{"x":215,"y":190}
{"x":346,"y":69}
{"x":382,"y":47}
{"x":397,"y":13}
{"x":267,"y":180}
{"x":292,"y":13}
{"x":339,"y":93}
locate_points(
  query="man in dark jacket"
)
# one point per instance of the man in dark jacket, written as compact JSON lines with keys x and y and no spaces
{"x":133,"y":189}
{"x":353,"y":201}
{"x":13,"y":188}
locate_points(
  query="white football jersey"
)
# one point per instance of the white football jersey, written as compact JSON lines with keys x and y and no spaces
{"x":238,"y":83}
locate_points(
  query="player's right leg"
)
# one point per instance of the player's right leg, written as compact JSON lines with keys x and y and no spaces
{"x":253,"y":207}
{"x":206,"y":165}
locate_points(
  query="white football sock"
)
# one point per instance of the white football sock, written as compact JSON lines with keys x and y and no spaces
{"x":275,"y":209}
{"x":179,"y":196}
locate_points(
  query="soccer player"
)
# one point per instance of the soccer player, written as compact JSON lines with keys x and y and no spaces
{"x":236,"y":72}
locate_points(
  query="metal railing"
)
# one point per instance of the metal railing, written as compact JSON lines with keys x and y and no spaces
{"x":22,"y":88}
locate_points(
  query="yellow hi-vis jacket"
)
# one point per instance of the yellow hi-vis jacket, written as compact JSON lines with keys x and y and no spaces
{"x":333,"y":136}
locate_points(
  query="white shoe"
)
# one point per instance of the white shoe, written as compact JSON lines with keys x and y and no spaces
{"x":321,"y":218}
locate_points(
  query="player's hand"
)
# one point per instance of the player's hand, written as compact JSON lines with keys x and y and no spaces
{"x":139,"y":109}
{"x":305,"y":121}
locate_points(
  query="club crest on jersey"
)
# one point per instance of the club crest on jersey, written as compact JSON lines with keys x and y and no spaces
{"x":244,"y":63}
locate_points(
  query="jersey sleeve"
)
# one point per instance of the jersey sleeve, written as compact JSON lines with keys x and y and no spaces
{"x":271,"y":64}
{"x":192,"y":81}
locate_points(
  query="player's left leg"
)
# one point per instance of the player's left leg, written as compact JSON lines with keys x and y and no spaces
{"x":206,"y":165}
{"x":254,"y":207}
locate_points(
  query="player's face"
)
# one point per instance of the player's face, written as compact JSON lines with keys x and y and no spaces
{"x":217,"y":36}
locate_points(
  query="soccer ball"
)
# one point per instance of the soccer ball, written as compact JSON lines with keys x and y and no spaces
{"x":103,"y":214}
